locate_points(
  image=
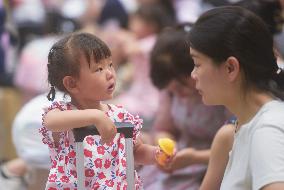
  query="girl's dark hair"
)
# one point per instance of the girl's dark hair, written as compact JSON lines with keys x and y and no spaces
{"x":64,"y":57}
{"x":170,"y":57}
{"x":234,"y":31}
{"x":269,"y":10}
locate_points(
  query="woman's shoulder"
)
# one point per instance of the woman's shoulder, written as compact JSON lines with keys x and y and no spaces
{"x":225,"y":135}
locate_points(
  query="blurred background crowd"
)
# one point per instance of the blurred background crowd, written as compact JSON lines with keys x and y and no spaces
{"x":130,"y":28}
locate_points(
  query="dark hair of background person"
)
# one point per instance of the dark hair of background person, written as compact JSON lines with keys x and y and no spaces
{"x":64,"y":57}
{"x":114,"y":10}
{"x":169,"y":8}
{"x":170,"y":58}
{"x":234,"y":31}
{"x":269,"y":10}
{"x":155,"y":15}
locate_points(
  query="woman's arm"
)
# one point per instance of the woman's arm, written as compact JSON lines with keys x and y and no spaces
{"x":219,"y":156}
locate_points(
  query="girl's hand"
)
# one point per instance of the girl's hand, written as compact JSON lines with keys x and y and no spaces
{"x":166,"y":162}
{"x":106,"y":128}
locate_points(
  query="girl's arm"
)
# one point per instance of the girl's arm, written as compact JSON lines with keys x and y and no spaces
{"x":58,"y":121}
{"x":221,"y":146}
{"x":144,"y":154}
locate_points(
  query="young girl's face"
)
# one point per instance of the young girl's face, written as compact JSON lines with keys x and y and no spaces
{"x":96,"y":81}
{"x":210,"y":79}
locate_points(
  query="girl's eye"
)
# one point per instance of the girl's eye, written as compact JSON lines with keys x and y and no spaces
{"x":99,"y":69}
{"x":110,"y":65}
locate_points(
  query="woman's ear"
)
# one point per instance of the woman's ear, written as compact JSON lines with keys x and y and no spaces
{"x":70,"y":84}
{"x":232,"y":67}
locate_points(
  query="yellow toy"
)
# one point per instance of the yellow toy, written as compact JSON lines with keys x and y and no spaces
{"x":167,"y":147}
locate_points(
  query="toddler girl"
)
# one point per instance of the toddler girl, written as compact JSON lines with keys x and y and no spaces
{"x":81,"y":66}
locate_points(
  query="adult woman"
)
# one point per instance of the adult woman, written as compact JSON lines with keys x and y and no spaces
{"x":235,"y":66}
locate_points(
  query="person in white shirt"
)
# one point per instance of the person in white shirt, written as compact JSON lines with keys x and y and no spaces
{"x":235,"y":66}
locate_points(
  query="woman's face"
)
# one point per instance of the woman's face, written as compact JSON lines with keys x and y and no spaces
{"x":210,"y":79}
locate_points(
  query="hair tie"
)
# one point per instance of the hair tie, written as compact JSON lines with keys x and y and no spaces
{"x":51,"y":95}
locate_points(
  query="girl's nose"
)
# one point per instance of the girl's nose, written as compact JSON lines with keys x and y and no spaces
{"x":109,"y":74}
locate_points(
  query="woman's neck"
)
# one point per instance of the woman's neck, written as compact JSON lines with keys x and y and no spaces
{"x":246,"y":108}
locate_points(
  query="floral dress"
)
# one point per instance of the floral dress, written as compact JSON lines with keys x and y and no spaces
{"x":105,"y":165}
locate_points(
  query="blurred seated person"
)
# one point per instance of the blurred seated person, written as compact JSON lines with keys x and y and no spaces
{"x":181,"y":115}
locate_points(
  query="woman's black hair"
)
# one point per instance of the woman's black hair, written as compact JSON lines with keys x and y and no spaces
{"x":235,"y":31}
{"x":170,"y":57}
{"x":269,"y":10}
{"x":64,"y":58}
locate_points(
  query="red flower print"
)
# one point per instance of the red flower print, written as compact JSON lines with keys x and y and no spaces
{"x":66,"y":143}
{"x":60,"y":169}
{"x":121,"y":146}
{"x":52,"y":188}
{"x":125,"y":187}
{"x":73,"y":172}
{"x":89,"y":173}
{"x":98,"y":163}
{"x":114,"y":153}
{"x":107,"y":163}
{"x":72,"y":154}
{"x":123,"y":162}
{"x":117,"y":172}
{"x":88,"y":153}
{"x":66,"y":159}
{"x":54,"y":163}
{"x":101,"y":150}
{"x":109,"y":183}
{"x":66,"y":188}
{"x":120,"y":115}
{"x":118,"y":185}
{"x":90,"y":140}
{"x":52,"y":178}
{"x":101,"y":175}
{"x":61,"y":157}
{"x":64,"y":179}
{"x":96,"y":186}
{"x":87,"y":183}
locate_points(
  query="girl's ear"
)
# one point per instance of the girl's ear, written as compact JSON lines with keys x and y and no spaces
{"x":232,"y":67}
{"x":70,"y":84}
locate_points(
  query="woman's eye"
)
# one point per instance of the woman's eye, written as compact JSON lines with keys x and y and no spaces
{"x":196,"y":65}
{"x":110,"y":65}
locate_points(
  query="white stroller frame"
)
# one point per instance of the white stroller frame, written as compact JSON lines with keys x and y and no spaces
{"x":125,"y":128}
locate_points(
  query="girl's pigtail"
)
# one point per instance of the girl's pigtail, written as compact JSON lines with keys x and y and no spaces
{"x":51,"y":95}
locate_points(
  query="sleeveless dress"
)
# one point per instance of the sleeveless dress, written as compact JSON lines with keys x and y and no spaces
{"x":105,"y":165}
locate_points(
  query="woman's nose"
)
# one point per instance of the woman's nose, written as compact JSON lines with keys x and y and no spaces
{"x":193,"y":74}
